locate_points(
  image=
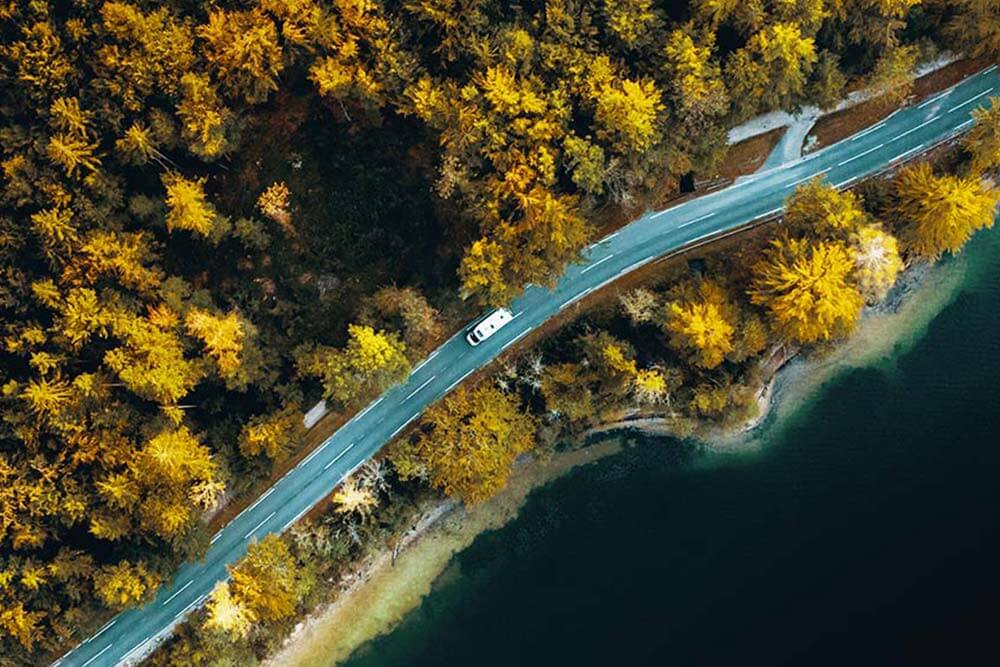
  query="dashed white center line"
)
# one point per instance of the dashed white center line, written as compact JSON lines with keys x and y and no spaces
{"x":691,"y":222}
{"x":971,"y":100}
{"x":176,"y":593}
{"x":414,"y":392}
{"x":597,"y":263}
{"x":266,"y":519}
{"x":914,"y":129}
{"x":98,"y":654}
{"x":860,"y":155}
{"x":339,"y":456}
{"x":808,"y":178}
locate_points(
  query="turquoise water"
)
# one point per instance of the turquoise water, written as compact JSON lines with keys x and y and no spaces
{"x":865,"y":531}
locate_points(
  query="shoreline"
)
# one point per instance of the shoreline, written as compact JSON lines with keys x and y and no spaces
{"x":395,"y":581}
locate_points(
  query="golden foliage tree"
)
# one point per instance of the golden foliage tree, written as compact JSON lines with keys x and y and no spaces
{"x":938,"y":214}
{"x":877,"y":262}
{"x":807,"y":288}
{"x":702,"y":320}
{"x":983,"y":139}
{"x":187,"y":207}
{"x":818,"y":206}
{"x":274,"y":435}
{"x":227,"y":614}
{"x":122,"y":585}
{"x":467,"y":443}
{"x":265,"y":582}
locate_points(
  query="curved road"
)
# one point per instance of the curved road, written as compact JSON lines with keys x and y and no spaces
{"x":906,"y":133}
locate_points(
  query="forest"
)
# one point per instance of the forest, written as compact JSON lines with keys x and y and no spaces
{"x":213,"y":214}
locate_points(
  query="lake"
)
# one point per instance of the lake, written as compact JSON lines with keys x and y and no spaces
{"x":865,"y":529}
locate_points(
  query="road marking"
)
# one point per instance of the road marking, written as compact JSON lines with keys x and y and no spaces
{"x":609,"y":237}
{"x":188,"y":608}
{"x":394,"y":433}
{"x":914,"y":129}
{"x":178,"y":592}
{"x":218,"y":535}
{"x":691,"y":222}
{"x":808,"y":178}
{"x":425,"y":361}
{"x":514,"y":340}
{"x":597,"y":263}
{"x":258,"y":526}
{"x":455,"y":383}
{"x":519,"y":313}
{"x":98,"y":654}
{"x":414,"y":392}
{"x":868,"y":131}
{"x":762,"y":215}
{"x":850,"y":180}
{"x":988,"y":69}
{"x":905,"y":153}
{"x":380,"y":420}
{"x":370,"y":406}
{"x":103,"y":628}
{"x":937,"y":97}
{"x":966,"y":124}
{"x":339,"y":456}
{"x":859,"y":155}
{"x":296,"y":518}
{"x":971,"y":100}
{"x":269,"y":491}
{"x":314,"y":453}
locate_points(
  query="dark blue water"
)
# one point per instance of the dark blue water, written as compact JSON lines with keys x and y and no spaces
{"x":866,"y":532}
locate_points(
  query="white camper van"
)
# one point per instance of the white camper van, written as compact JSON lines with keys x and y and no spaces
{"x":489,"y":325}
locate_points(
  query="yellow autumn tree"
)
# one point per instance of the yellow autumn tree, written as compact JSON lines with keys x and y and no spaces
{"x":243,"y":49}
{"x":265,"y":582}
{"x":204,"y":119}
{"x":467,"y":443}
{"x":222,"y":336}
{"x":124,"y":584}
{"x":938,"y":214}
{"x":187,"y":207}
{"x":370,"y":363}
{"x":983,"y":140}
{"x":807,"y":288}
{"x":701,"y":320}
{"x":227,"y":614}
{"x":820,"y":207}
{"x":876,"y":260}
{"x":274,"y":435}
{"x":772,"y":70}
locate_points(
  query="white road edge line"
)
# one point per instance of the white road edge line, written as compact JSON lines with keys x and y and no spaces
{"x":308,"y":458}
{"x":868,"y":131}
{"x":425,"y":361}
{"x":339,"y":456}
{"x":808,"y":178}
{"x":905,"y":153}
{"x":455,"y":383}
{"x":97,"y":655}
{"x":597,"y":263}
{"x":296,"y":518}
{"x":971,"y":100}
{"x":514,"y":340}
{"x":414,"y":392}
{"x":370,"y":406}
{"x":394,"y":433}
{"x":266,"y":519}
{"x":609,"y":237}
{"x":103,"y":628}
{"x":176,"y":593}
{"x":988,"y":69}
{"x":215,"y":537}
{"x":850,"y":180}
{"x":762,"y":215}
{"x":860,"y":155}
{"x":691,"y":222}
{"x":965,"y":124}
{"x":937,"y":97}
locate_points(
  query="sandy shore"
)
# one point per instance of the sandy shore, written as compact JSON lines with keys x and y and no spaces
{"x":385,"y":591}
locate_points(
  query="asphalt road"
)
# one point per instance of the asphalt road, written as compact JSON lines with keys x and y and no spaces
{"x":906,"y":133}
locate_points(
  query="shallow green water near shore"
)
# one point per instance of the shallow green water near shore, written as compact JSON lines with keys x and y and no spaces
{"x":864,"y":530}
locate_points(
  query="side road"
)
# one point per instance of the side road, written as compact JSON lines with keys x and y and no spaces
{"x":906,"y":133}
